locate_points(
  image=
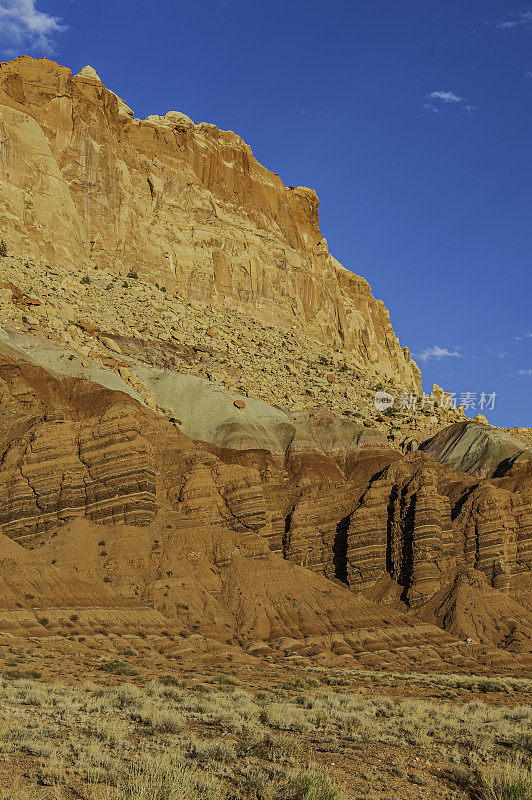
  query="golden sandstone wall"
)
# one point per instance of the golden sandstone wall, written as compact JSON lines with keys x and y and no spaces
{"x":186,"y":205}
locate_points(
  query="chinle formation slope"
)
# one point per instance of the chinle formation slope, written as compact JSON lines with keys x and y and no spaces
{"x":190,"y":455}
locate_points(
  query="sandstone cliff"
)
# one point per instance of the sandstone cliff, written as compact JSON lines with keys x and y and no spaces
{"x":207,"y":457}
{"x":186,"y":205}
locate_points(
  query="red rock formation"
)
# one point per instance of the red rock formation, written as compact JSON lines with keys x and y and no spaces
{"x":193,"y":521}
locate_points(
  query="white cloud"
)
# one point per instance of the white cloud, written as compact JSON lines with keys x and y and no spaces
{"x":437,"y":353}
{"x":23,"y":28}
{"x":515,"y":21}
{"x":521,"y":338}
{"x":445,"y":96}
{"x":430,"y":107}
{"x":524,"y":371}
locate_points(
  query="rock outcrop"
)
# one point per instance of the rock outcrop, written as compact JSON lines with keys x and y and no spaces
{"x":186,"y":205}
{"x":55,"y":467}
{"x":477,"y":449}
{"x":188,"y":432}
{"x":274,"y":547}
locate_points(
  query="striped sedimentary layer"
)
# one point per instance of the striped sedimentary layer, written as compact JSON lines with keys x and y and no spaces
{"x":417,"y":522}
{"x":58,"y":468}
{"x":355,"y":510}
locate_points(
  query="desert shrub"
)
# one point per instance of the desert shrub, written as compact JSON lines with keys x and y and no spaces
{"x":332,"y":680}
{"x":116,"y":667}
{"x":217,"y":750}
{"x":111,"y":730}
{"x":126,"y":696}
{"x":3,"y":249}
{"x":296,"y":684}
{"x":268,"y":745}
{"x":19,"y":674}
{"x":488,"y":685}
{"x":170,"y":680}
{"x":309,"y":786}
{"x":285,"y":716}
{"x":505,"y":780}
{"x":85,"y":280}
{"x":157,"y":716}
{"x":153,"y":782}
{"x":227,"y":680}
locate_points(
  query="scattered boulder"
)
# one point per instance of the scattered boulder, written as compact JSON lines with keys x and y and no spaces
{"x":110,"y":344}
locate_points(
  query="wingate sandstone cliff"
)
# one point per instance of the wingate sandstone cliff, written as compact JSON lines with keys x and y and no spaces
{"x":83,"y":182}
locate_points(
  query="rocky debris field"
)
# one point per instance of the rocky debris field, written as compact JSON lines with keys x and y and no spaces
{"x":123,"y":322}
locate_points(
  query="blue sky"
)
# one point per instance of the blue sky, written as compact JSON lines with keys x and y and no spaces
{"x":412,"y":120}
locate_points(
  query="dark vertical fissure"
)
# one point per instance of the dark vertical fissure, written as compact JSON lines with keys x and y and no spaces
{"x":340,"y":550}
{"x":407,"y":545}
{"x":286,"y":535}
{"x":391,"y":566}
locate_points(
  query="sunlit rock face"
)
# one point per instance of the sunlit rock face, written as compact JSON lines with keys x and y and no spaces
{"x":185,"y":205}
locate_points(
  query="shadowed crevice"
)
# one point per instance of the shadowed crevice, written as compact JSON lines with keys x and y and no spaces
{"x":340,"y":550}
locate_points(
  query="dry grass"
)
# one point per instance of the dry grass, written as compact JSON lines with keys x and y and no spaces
{"x":164,"y":742}
{"x":506,"y":780}
{"x":503,"y":779}
{"x":478,"y":684}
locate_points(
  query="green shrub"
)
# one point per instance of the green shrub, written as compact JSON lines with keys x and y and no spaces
{"x":85,"y":280}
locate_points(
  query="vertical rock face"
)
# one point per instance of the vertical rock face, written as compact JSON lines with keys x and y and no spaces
{"x":186,"y":205}
{"x":403,"y":528}
{"x":420,"y":523}
{"x":490,"y":540}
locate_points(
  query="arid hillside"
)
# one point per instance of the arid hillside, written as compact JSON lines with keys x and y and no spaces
{"x":242,"y":555}
{"x":189,"y":434}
